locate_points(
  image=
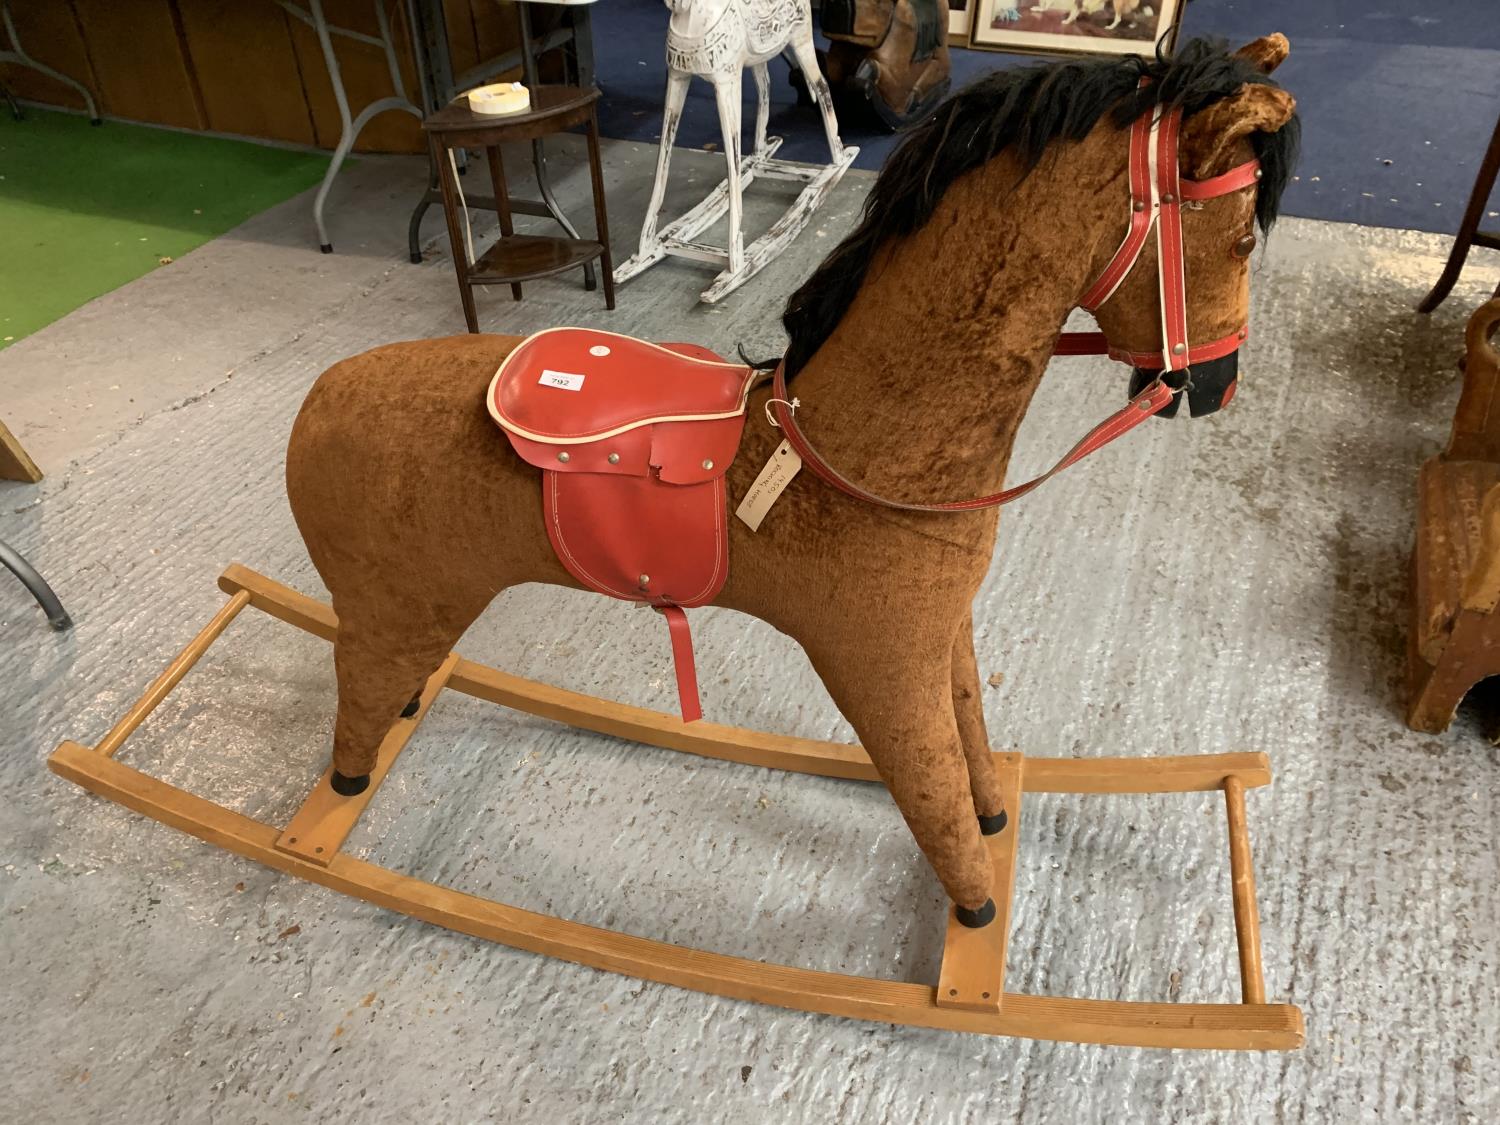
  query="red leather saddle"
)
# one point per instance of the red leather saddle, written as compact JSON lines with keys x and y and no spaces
{"x":633,"y":439}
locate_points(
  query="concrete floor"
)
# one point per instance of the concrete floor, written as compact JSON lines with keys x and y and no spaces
{"x":1230,"y":583}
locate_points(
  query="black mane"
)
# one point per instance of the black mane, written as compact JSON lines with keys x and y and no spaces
{"x":1026,"y":109}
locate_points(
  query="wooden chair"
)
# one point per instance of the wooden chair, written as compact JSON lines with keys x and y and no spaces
{"x":1455,"y":629}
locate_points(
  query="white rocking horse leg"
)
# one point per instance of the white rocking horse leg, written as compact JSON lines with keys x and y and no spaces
{"x":806,"y":56}
{"x":677,"y":84}
{"x":727,"y":94}
{"x":762,"y":106}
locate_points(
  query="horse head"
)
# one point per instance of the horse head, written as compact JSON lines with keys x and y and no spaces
{"x":1224,"y":153}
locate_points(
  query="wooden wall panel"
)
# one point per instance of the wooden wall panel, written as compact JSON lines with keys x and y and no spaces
{"x":49,"y":34}
{"x":462,"y":44}
{"x":496,"y":27}
{"x":247,"y":72}
{"x":240,"y":66}
{"x":366,"y":76}
{"x":139,"y":61}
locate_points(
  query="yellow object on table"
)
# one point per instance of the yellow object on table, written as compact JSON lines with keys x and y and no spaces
{"x":500,"y":98}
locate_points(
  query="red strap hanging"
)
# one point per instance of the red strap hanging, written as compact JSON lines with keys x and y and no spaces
{"x":682,"y":662}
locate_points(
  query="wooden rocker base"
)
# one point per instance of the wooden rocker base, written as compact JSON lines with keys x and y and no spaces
{"x":969,"y":995}
{"x":676,"y":239}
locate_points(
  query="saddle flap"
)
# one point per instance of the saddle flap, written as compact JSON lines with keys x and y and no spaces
{"x":573,"y":386}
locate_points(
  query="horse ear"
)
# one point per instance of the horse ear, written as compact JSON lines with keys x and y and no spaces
{"x":1210,"y":136}
{"x":1266,"y":53}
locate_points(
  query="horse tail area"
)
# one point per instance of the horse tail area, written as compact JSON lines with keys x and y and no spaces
{"x":416,"y":514}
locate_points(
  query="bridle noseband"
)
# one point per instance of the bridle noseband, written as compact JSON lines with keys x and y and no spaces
{"x":1157,"y":192}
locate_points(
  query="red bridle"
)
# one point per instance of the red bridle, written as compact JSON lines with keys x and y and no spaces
{"x":1156,"y":196}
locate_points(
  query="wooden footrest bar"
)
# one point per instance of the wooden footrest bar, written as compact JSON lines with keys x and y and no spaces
{"x":969,"y":995}
{"x":323,"y":823}
{"x":973,"y":972}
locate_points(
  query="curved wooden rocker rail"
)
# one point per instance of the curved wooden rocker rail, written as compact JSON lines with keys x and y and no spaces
{"x":969,"y":995}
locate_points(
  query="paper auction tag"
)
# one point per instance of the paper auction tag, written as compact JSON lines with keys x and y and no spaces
{"x":778,"y":473}
{"x":563,"y":380}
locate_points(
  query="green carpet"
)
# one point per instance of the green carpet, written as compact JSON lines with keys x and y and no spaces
{"x":83,"y":210}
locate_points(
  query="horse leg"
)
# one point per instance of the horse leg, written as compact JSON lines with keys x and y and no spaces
{"x":968,"y":707}
{"x":677,"y":84}
{"x":807,"y":62}
{"x":896,"y":693}
{"x":727,"y":94}
{"x":762,"y":105}
{"x":389,"y":642}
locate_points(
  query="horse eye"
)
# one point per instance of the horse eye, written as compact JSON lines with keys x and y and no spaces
{"x":1244,"y":246}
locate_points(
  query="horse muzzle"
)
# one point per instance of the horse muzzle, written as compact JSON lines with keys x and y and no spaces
{"x":1208,"y":385}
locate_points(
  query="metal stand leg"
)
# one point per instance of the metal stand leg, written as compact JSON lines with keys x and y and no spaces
{"x":349,"y":130}
{"x":17,"y":54}
{"x":57,"y":617}
{"x":538,"y":156}
{"x":583,"y":43}
{"x":1469,"y":233}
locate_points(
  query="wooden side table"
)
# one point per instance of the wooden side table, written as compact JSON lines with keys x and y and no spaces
{"x":515,"y":258}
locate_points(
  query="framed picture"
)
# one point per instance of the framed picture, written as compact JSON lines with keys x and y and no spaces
{"x":1106,"y":27}
{"x":960,"y":16}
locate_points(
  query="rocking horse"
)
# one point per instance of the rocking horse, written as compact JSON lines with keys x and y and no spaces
{"x":717,"y":40}
{"x":1130,"y":187}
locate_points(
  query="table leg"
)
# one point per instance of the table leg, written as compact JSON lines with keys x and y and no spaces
{"x":429,"y":41}
{"x":601,"y":220}
{"x":16,"y":563}
{"x":437,"y":151}
{"x":583,"y":43}
{"x":538,"y":155}
{"x":502,"y":204}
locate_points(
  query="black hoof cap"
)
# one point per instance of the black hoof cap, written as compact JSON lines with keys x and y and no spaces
{"x":327,"y":248}
{"x":993,"y":825}
{"x":416,"y":259}
{"x":976,"y":918}
{"x":353,"y":786}
{"x":416,"y":705}
{"x":96,"y":121}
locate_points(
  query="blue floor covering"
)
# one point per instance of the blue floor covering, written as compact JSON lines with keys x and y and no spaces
{"x":1397,"y":99}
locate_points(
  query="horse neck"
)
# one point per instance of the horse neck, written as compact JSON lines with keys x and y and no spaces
{"x":919,"y":391}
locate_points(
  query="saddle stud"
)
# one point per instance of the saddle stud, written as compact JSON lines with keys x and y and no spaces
{"x":645,"y":580}
{"x":1138,"y":206}
{"x":1178,"y":349}
{"x":614,"y":458}
{"x":565,"y":457}
{"x":707,"y":464}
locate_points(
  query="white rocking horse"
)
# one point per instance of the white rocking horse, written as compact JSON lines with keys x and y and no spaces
{"x":717,"y":40}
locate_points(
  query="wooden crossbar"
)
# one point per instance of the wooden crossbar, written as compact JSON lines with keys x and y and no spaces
{"x":319,"y":828}
{"x":162,"y":686}
{"x":973,"y":971}
{"x":1242,"y":886}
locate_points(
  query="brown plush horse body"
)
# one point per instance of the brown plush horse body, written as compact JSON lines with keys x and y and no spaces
{"x":417,"y":513}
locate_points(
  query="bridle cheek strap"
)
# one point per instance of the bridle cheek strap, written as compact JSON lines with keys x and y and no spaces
{"x":1156,"y":195}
